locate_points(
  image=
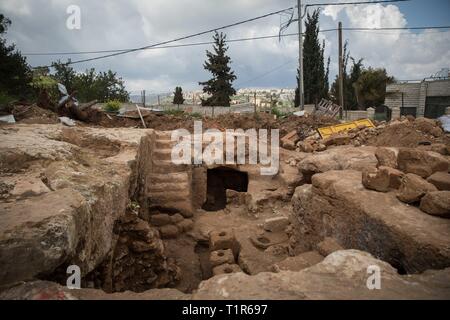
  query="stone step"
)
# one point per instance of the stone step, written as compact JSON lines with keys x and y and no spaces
{"x":167,"y":166}
{"x":169,"y":186}
{"x":164,"y":144}
{"x":175,"y":177}
{"x":169,"y":195}
{"x":162,"y":154}
{"x":182,"y":206}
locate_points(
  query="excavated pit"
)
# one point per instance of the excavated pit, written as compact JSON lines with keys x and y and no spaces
{"x":159,"y":239}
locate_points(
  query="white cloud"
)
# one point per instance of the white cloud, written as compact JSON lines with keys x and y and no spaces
{"x":405,"y":54}
{"x":39,"y":26}
{"x":16,"y":7}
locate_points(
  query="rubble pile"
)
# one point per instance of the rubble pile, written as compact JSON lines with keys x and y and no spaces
{"x":426,"y":134}
{"x":418,"y":177}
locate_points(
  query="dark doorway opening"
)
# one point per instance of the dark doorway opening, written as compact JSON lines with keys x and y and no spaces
{"x":219,"y":180}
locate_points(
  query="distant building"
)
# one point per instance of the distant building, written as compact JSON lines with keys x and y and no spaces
{"x":428,"y":98}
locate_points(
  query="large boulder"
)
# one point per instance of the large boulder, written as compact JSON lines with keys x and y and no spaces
{"x":382,"y":179}
{"x":413,"y":188}
{"x":387,"y":157}
{"x":86,"y":177}
{"x":422,"y":163}
{"x":337,"y":205}
{"x":341,"y":275}
{"x":440,"y":180}
{"x":338,"y":158}
{"x":436,"y":203}
{"x":45,"y":290}
{"x":297,"y":263}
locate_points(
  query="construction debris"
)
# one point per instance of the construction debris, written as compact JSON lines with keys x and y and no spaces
{"x":8,"y":119}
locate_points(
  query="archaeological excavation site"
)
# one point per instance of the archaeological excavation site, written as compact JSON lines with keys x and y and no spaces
{"x":362,"y":214}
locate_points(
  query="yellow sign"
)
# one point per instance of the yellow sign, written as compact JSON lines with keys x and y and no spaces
{"x":328,"y":131}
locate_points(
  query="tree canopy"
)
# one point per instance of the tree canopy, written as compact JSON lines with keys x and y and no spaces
{"x":178,"y":96}
{"x":220,"y":85}
{"x":91,"y":85}
{"x":315,"y":74}
{"x":15,"y":73}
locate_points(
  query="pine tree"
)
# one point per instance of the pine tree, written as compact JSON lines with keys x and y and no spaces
{"x":15,"y":73}
{"x":315,"y":76}
{"x":178,"y":96}
{"x":220,"y":86}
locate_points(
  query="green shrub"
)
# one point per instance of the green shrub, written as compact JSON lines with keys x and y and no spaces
{"x":5,"y":100}
{"x":112,"y":106}
{"x":174,"y":112}
{"x":280,"y":114}
{"x":196,"y":115}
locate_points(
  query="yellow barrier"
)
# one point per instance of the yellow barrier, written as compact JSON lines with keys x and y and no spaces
{"x":328,"y":131}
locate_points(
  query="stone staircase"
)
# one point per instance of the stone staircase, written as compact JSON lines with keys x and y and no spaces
{"x":171,"y":188}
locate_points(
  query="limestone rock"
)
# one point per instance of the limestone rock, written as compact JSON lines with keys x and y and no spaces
{"x":185,"y":225}
{"x":44,"y":290}
{"x":413,"y":188}
{"x":436,"y":203}
{"x":276,"y":224}
{"x":337,"y":140}
{"x":422,"y":163}
{"x":440,"y":180}
{"x":376,"y":179}
{"x":328,"y":246}
{"x":87,"y":176}
{"x":219,"y":257}
{"x":159,"y":220}
{"x":176,"y":218}
{"x":341,"y":275}
{"x":439,"y":148}
{"x":297,"y":263}
{"x":169,"y":231}
{"x":226,"y":269}
{"x":428,"y":126}
{"x":338,"y":158}
{"x":337,"y":205}
{"x":387,"y":157}
{"x":222,"y":240}
{"x":290,"y":140}
{"x":305,"y":146}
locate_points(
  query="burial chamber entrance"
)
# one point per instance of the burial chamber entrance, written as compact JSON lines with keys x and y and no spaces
{"x":218,"y":181}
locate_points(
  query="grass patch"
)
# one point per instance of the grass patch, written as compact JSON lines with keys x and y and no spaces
{"x":112,"y":106}
{"x":174,"y":112}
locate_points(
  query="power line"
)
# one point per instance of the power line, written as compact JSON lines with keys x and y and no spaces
{"x":239,"y":40}
{"x":121,"y":52}
{"x":179,"y":39}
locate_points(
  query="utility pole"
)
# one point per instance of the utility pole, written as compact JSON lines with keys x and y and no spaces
{"x":341,"y":71}
{"x":143,"y":98}
{"x":301,"y":89}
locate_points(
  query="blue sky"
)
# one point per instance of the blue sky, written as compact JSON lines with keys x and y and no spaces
{"x":426,"y":12}
{"x":265,"y":63}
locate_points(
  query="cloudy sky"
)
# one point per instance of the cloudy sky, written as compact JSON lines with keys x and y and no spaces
{"x":40,"y":26}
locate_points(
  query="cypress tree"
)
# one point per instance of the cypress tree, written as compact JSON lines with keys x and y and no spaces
{"x":315,"y":76}
{"x":220,"y":85}
{"x":178,"y":96}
